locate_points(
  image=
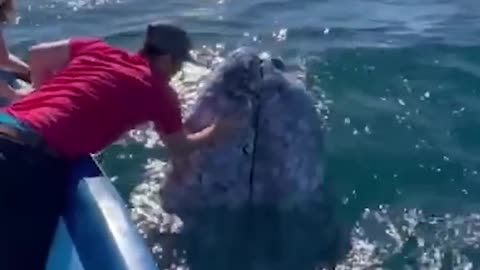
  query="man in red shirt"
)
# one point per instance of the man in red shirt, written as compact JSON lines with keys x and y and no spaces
{"x":87,"y":94}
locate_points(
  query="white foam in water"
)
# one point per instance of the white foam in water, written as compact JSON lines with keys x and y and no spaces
{"x":389,"y":236}
{"x":76,"y":5}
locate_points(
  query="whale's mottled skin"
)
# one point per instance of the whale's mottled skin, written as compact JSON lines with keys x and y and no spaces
{"x":264,"y":182}
{"x":276,"y":159}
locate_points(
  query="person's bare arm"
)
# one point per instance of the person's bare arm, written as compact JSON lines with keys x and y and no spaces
{"x":181,"y":144}
{"x":11,"y":63}
{"x":47,"y":59}
{"x":10,"y":94}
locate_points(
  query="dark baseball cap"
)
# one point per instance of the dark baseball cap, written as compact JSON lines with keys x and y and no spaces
{"x":168,"y":39}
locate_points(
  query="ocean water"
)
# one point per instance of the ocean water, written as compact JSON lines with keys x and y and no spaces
{"x":401,"y":80}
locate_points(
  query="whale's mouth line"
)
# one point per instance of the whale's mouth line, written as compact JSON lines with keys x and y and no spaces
{"x":256,"y":120}
{"x":277,"y":63}
{"x":261,"y":69}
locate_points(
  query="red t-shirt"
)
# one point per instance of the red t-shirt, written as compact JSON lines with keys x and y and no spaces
{"x":102,"y":93}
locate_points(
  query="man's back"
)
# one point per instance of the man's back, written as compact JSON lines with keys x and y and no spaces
{"x":103,"y":92}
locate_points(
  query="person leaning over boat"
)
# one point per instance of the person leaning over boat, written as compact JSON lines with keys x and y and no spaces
{"x":86,"y":95}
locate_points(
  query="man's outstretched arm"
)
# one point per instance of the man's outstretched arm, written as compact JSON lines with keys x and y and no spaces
{"x":181,"y":144}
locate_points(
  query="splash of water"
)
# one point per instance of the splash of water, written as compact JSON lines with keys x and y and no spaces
{"x":389,"y":236}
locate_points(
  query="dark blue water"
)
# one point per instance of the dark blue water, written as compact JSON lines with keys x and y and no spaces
{"x":402,"y":83}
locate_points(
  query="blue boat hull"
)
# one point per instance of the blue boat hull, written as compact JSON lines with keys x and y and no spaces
{"x":95,"y":231}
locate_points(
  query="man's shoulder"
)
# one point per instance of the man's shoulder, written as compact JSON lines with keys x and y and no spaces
{"x":96,"y":44}
{"x":108,"y":53}
{"x":80,"y":45}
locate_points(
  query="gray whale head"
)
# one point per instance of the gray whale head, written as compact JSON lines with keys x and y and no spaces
{"x":276,"y":159}
{"x":226,"y":200}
